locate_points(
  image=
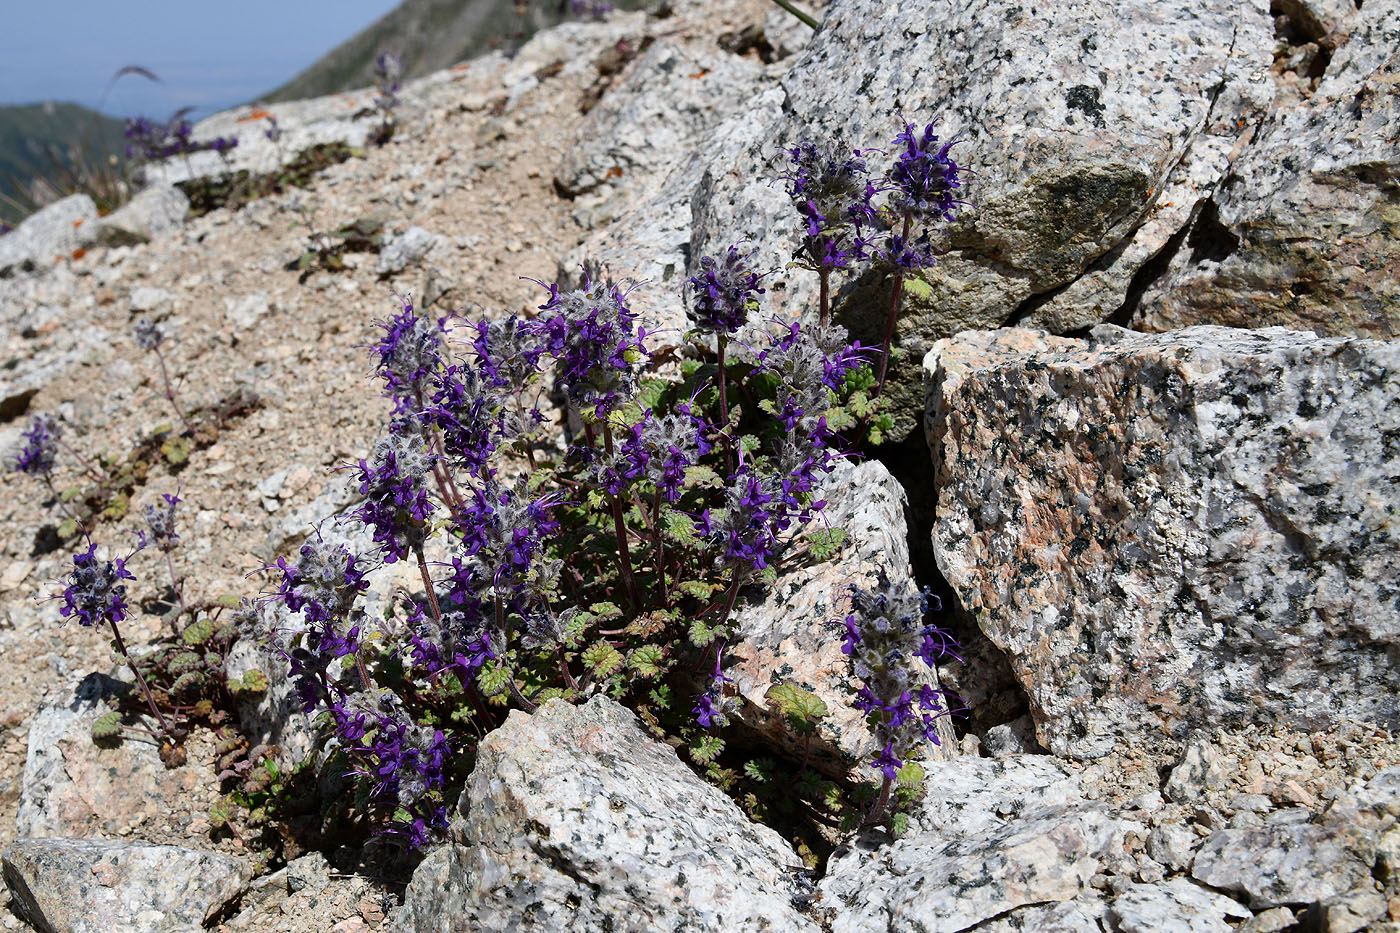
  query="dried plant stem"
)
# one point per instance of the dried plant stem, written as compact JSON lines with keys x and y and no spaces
{"x":121,"y":646}
{"x":87,"y":467}
{"x":804,"y":17}
{"x":170,"y":392}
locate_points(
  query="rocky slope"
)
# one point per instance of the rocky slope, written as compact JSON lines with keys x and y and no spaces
{"x":1171,"y":547}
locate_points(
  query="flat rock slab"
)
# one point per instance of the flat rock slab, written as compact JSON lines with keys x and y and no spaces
{"x":575,"y":819}
{"x":993,"y":836}
{"x":1174,"y":531}
{"x":105,"y":886}
{"x":1290,"y":860}
{"x":1175,"y":906}
{"x":49,"y":234}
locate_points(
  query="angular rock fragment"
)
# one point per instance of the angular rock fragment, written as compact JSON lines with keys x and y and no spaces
{"x":575,"y":819}
{"x":1177,"y":904}
{"x":49,"y":234}
{"x":107,"y":886}
{"x":1174,"y":531}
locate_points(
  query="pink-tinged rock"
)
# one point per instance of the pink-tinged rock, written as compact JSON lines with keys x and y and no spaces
{"x":1177,"y":530}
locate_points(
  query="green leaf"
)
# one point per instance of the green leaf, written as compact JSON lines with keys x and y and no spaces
{"x":176,"y":450}
{"x":761,"y":769}
{"x":839,"y":419}
{"x":229,"y":601}
{"x":250,"y":682}
{"x":698,"y":589}
{"x":911,"y":775}
{"x":825,"y":543}
{"x":184,"y":661}
{"x":748,"y":443}
{"x":107,"y":726}
{"x":650,"y":393}
{"x":701,"y":475}
{"x":803,"y":708}
{"x":701,"y":634}
{"x":900,"y":825}
{"x":492,"y":678}
{"x":68,"y":529}
{"x":648,"y":661}
{"x":596,"y":499}
{"x":220,"y":812}
{"x":605,"y":612}
{"x":706,"y":749}
{"x":603,"y":659}
{"x":679,"y":528}
{"x":198,"y":633}
{"x":188,"y":681}
{"x":68,"y":495}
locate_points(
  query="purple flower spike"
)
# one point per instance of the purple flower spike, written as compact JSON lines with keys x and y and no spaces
{"x":724,"y":291}
{"x":40,"y":447}
{"x":886,"y":762}
{"x":924,"y":178}
{"x":95,"y":593}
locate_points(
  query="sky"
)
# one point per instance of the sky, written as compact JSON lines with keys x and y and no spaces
{"x":209,"y":54}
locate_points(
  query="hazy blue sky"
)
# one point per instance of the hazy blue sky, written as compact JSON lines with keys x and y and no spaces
{"x":209,"y":54}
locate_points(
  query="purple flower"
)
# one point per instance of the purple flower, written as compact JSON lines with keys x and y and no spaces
{"x":148,"y":334}
{"x":40,"y":447}
{"x":394,"y":484}
{"x":593,"y":335}
{"x":886,"y":762}
{"x":409,"y":353}
{"x":161,"y":523}
{"x":832,"y":192}
{"x":590,"y":9}
{"x":724,"y":291}
{"x":388,"y":73}
{"x":95,"y":593}
{"x":712,"y":707}
{"x":924,"y":177}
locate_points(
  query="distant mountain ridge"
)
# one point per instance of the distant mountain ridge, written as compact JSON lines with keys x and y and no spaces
{"x":30,"y":132}
{"x":428,"y":35}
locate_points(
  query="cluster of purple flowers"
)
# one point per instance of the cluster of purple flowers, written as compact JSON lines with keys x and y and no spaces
{"x":409,"y":355}
{"x":94,"y":593}
{"x":724,"y":292}
{"x":885,"y":634}
{"x":149,"y":141}
{"x":160,"y":522}
{"x":598,"y":346}
{"x":394,"y":484}
{"x":39,"y":448}
{"x":712,"y":708}
{"x":147,"y":333}
{"x":658,"y":449}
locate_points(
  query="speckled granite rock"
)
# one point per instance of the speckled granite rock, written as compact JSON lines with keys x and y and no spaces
{"x":49,"y":234}
{"x":1168,"y":530}
{"x":993,"y":836}
{"x":1088,"y":128}
{"x":574,"y":819}
{"x":1175,"y":905}
{"x":792,"y":633}
{"x":106,"y":886}
{"x":154,"y":212}
{"x":1303,"y":231}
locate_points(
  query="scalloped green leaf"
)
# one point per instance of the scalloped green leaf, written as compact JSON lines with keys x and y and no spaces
{"x":801,"y":707}
{"x":107,"y":726}
{"x":706,"y":748}
{"x":603,"y":659}
{"x":648,"y":661}
{"x":198,"y":632}
{"x":825,"y":543}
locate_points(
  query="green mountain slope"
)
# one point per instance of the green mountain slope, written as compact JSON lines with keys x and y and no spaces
{"x":428,"y":35}
{"x":36,"y":141}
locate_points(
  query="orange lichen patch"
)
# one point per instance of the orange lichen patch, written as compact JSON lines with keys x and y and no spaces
{"x":463,"y":66}
{"x":257,"y":114}
{"x":701,"y":73}
{"x":79,"y":253}
{"x":614,"y":172}
{"x":77,"y":224}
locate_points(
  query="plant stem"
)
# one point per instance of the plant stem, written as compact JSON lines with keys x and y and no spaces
{"x":170,"y":392}
{"x":804,"y":17}
{"x":620,"y":527}
{"x":825,"y":277}
{"x":877,"y":810}
{"x":121,"y":646}
{"x":87,"y":467}
{"x":179,"y":590}
{"x":896,"y":294}
{"x":660,"y":548}
{"x":724,"y":406}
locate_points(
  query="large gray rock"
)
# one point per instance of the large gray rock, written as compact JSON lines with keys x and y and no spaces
{"x":73,"y":786}
{"x":1302,"y":233}
{"x":793,"y":633}
{"x":575,"y":819}
{"x":1291,"y":859}
{"x":1087,"y":127}
{"x":105,"y":886}
{"x":992,"y":837}
{"x":1174,"y":531}
{"x":152,"y":213}
{"x":49,"y":234}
